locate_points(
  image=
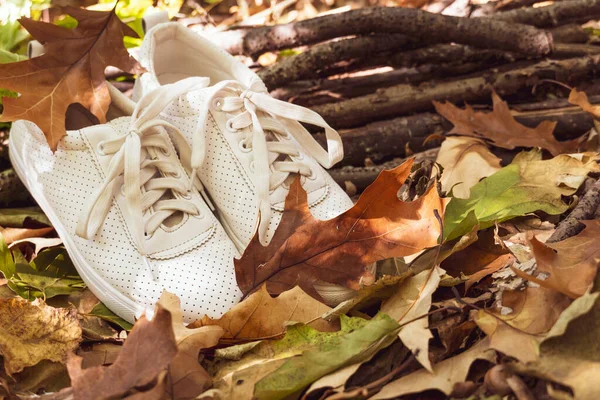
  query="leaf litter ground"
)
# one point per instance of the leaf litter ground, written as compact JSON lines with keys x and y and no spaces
{"x":464,"y":301}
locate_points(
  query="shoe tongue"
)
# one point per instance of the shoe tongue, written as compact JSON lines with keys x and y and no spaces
{"x":122,"y":127}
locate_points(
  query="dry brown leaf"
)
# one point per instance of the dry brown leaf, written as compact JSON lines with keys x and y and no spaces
{"x":501,"y":129}
{"x":445,"y":374}
{"x":571,"y":263}
{"x":498,"y":263}
{"x":535,"y":311}
{"x":411,"y":300}
{"x":466,"y":161}
{"x":262,"y":316}
{"x":33,"y":331}
{"x":580,"y":99}
{"x":147,"y":352}
{"x":11,"y":235}
{"x":304,"y":250}
{"x":187,"y":378}
{"x":70,"y":71}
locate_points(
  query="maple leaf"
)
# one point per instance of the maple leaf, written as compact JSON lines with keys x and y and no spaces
{"x":262,"y":316}
{"x":304,"y":250}
{"x":572,"y":263}
{"x":70,"y":71}
{"x":501,"y":129}
{"x":147,"y":352}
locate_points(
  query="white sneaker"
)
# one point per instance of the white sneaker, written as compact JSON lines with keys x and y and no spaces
{"x":121,"y":201}
{"x":246,"y":146}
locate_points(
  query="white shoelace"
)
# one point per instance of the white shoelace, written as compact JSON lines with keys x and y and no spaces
{"x":147,"y":174}
{"x":257,"y":110}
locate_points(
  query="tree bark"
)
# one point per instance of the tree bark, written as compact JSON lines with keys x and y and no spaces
{"x":407,"y":99}
{"x":559,"y":13}
{"x":403,"y":136}
{"x":424,"y":26}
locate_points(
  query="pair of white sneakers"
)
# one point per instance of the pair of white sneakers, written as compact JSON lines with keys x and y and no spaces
{"x":168,"y":192}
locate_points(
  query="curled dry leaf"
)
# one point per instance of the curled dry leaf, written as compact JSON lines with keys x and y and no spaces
{"x":147,"y":352}
{"x":186,"y":377}
{"x":262,"y":316}
{"x":411,"y":300}
{"x":19,"y":234}
{"x":59,"y":78}
{"x":518,"y":334}
{"x":445,"y":374}
{"x":33,"y":331}
{"x":501,"y":129}
{"x":304,"y":250}
{"x":572,"y":263}
{"x":465,"y":161}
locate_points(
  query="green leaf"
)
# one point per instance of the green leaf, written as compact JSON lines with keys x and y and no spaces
{"x":527,"y":185}
{"x":16,"y":217}
{"x":321,"y":353}
{"x":101,"y":311}
{"x":7,"y":265}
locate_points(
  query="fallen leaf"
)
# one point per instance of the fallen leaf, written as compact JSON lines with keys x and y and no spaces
{"x":44,"y":377}
{"x":411,"y":300}
{"x":18,"y":217}
{"x":465,"y":161}
{"x":501,"y":129}
{"x":498,"y":263}
{"x":186,"y":377}
{"x":18,"y":234}
{"x":147,"y":352}
{"x":33,"y":331}
{"x":580,"y":99}
{"x":262,"y":316}
{"x":445,"y":374}
{"x":572,"y":264}
{"x":323,"y":353}
{"x":518,"y":334}
{"x":570,"y":354}
{"x":39,"y":243}
{"x":304,"y":250}
{"x":528,"y":184}
{"x":59,"y":78}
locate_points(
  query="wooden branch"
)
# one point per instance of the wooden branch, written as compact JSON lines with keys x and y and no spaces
{"x":407,"y":99}
{"x":559,"y":13}
{"x":398,"y":137}
{"x":428,"y":27}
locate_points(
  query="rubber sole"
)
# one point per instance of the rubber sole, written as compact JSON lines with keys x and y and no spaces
{"x":117,"y":302}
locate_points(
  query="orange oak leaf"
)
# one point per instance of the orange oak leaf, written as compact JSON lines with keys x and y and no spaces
{"x":304,"y":250}
{"x":580,"y":99}
{"x":500,"y":128}
{"x":70,"y":71}
{"x":571,"y":263}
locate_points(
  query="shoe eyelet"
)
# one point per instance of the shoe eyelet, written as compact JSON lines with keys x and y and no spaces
{"x":300,"y":156}
{"x":243,"y":147}
{"x":200,"y":215}
{"x":252,"y":166}
{"x":230,"y":127}
{"x":187,"y":196}
{"x":165,"y":152}
{"x":217,"y":103}
{"x":100,"y":149}
{"x":312,"y":176}
{"x":286,"y":135}
{"x":147,"y":236}
{"x":177,"y":175}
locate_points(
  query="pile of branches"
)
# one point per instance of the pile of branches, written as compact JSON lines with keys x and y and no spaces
{"x":373,"y":73}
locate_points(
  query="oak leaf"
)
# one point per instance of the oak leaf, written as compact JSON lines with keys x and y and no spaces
{"x":33,"y":331}
{"x":186,"y":377}
{"x":518,"y":334}
{"x":262,"y":316}
{"x":304,"y":250}
{"x":147,"y":352}
{"x":465,"y":161}
{"x":580,"y":99}
{"x":572,"y":263}
{"x":70,"y":71}
{"x":501,"y":129}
